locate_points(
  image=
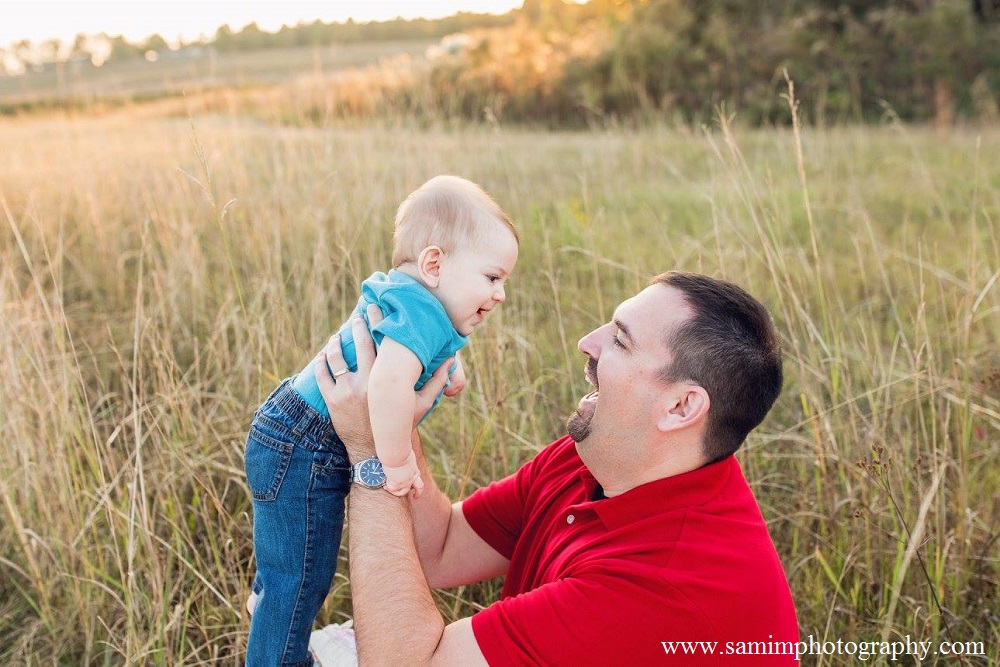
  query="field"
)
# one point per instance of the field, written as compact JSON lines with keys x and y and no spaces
{"x":159,"y":276}
{"x":189,"y":72}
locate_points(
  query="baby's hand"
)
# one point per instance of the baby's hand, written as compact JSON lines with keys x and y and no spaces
{"x":456,"y":381}
{"x":401,"y":479}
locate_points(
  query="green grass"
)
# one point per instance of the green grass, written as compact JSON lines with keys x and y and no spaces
{"x":159,"y":276}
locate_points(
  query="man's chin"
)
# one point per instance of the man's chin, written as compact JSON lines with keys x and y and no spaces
{"x":578,"y":424}
{"x":578,"y":427}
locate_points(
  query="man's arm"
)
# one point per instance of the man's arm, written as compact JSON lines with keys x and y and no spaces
{"x":394,"y":610}
{"x":451,"y":552}
{"x":394,"y":613}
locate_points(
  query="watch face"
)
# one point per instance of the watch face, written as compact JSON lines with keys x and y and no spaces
{"x":371,"y":473}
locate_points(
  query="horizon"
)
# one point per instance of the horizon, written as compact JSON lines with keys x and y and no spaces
{"x":43,"y":21}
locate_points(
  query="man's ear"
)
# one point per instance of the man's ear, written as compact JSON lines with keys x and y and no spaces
{"x":429,"y":265}
{"x":685,"y":407}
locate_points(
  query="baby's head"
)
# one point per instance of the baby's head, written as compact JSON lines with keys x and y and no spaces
{"x":453,"y":238}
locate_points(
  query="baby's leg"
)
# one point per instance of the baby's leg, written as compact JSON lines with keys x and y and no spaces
{"x":298,"y":498}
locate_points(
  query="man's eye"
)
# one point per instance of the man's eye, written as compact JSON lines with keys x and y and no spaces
{"x":618,"y":342}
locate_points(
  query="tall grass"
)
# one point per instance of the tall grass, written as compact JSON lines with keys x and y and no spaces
{"x":157,"y":278}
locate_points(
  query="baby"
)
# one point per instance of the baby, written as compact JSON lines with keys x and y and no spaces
{"x":454,"y":249}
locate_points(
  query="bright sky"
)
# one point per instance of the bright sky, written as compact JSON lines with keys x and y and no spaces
{"x":38,"y":20}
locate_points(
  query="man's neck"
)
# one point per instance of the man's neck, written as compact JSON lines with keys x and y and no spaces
{"x":618,"y":477}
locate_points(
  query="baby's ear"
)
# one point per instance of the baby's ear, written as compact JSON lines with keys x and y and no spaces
{"x":429,"y":265}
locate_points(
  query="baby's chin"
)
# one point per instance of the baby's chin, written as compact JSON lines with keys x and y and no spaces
{"x":463,"y":328}
{"x":467,"y":326}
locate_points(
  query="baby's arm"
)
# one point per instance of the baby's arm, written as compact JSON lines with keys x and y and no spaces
{"x":390,"y":406}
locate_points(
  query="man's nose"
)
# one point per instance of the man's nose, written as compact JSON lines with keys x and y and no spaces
{"x":591,"y":343}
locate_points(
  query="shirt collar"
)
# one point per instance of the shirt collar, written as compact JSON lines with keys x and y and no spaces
{"x":398,"y":277}
{"x":395,"y":275}
{"x":689,"y":489}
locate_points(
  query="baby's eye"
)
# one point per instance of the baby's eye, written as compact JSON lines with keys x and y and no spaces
{"x":493,"y":279}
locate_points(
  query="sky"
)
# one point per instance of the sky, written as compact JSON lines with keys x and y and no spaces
{"x":38,"y":20}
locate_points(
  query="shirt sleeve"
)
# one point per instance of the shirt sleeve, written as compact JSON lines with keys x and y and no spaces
{"x":497,"y":511}
{"x":417,"y":322}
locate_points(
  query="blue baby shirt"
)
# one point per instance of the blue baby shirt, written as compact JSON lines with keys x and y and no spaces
{"x":412,"y":317}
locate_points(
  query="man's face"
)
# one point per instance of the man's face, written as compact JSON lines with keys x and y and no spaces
{"x":626,"y":357}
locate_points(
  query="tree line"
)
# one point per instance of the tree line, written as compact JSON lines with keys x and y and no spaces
{"x":851,"y":60}
{"x":102,"y":48}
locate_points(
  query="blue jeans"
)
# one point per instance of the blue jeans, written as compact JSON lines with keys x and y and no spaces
{"x":299,"y":474}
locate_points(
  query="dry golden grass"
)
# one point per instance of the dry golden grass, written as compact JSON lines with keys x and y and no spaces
{"x":159,"y":276}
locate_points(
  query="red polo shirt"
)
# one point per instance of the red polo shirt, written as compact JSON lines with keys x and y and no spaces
{"x":682,"y":559}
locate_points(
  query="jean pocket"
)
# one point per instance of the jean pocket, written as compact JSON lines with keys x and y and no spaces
{"x":266,"y":461}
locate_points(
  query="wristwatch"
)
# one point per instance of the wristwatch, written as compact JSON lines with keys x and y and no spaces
{"x":368,"y":473}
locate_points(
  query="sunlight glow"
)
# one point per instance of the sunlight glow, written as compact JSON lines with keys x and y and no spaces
{"x":191,"y":19}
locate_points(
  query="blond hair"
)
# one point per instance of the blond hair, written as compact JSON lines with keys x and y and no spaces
{"x":446,"y":211}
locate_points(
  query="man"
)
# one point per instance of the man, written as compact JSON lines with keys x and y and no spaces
{"x":635,"y":531}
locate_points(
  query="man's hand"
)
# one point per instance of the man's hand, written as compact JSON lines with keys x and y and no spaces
{"x":427,"y":394}
{"x":456,"y":381}
{"x":347,"y":397}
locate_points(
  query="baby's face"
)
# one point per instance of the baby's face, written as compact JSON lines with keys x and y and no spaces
{"x":472,"y":279}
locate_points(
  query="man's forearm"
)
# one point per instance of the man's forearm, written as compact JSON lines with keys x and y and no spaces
{"x":431,"y":515}
{"x":450,"y":551}
{"x":395,"y":615}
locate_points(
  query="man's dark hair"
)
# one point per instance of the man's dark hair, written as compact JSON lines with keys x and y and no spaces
{"x":730,"y":347}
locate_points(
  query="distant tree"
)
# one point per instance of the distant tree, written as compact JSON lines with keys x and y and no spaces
{"x":25,"y":53}
{"x":317,"y":32}
{"x":99,"y":48}
{"x":154,"y":43}
{"x":122,"y":50}
{"x":223,"y":40}
{"x":80,"y":48}
{"x":252,"y":37}
{"x":50,"y":50}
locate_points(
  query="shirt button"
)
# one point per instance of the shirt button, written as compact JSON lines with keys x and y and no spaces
{"x":570,"y":518}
